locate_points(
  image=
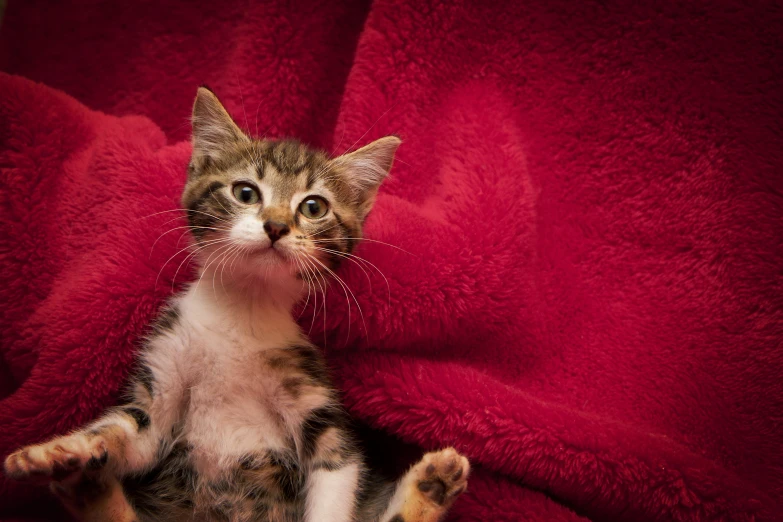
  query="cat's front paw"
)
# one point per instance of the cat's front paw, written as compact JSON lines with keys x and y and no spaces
{"x":58,"y":459}
{"x":442,"y":476}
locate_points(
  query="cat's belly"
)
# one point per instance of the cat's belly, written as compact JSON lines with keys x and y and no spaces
{"x":226,"y":424}
{"x":234,"y":406}
{"x":233,"y":461}
{"x":264,"y":487}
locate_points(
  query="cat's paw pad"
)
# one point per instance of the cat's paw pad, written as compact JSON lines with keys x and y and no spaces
{"x":442,"y":475}
{"x":58,"y":459}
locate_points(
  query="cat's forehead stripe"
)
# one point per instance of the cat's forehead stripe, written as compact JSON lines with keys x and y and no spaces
{"x":286,"y":159}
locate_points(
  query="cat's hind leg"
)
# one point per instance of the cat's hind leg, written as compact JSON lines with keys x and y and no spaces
{"x":95,"y":498}
{"x":427,"y":491}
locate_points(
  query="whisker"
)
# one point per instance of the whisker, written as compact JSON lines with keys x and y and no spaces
{"x":373,"y":125}
{"x":321,"y":231}
{"x":184,"y":210}
{"x":220,"y":260}
{"x":192,"y":255}
{"x":347,"y":256}
{"x":173,"y":219}
{"x":167,"y":262}
{"x":188,"y":227}
{"x":222,"y":265}
{"x":211,"y":193}
{"x":347,"y":298}
{"x":240,"y":251}
{"x":300,"y":267}
{"x":315,"y":296}
{"x":356,"y":259}
{"x":363,"y":240}
{"x":162,"y":212}
{"x":341,"y":140}
{"x":209,"y":262}
{"x":323,"y":169}
{"x":241,"y":97}
{"x":345,"y":287}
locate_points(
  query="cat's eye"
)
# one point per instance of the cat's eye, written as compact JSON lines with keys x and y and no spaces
{"x":314,"y":207}
{"x":246,"y":193}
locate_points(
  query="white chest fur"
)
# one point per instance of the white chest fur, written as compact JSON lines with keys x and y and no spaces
{"x":234,"y":404}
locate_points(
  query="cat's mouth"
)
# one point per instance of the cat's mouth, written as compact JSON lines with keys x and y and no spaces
{"x":269,"y":253}
{"x":264,"y":251}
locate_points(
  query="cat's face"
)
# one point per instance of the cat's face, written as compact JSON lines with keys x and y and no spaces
{"x":275,"y":209}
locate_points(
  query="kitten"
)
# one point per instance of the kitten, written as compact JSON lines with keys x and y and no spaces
{"x":232,"y":415}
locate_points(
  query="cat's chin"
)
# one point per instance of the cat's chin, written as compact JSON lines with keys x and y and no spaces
{"x":267,"y":263}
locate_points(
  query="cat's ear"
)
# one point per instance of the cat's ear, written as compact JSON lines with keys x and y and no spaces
{"x":214,"y":132}
{"x":366,"y":168}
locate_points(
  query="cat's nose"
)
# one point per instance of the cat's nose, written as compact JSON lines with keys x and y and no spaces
{"x":275,"y":230}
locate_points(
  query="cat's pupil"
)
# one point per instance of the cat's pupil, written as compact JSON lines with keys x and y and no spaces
{"x":313,"y":206}
{"x":246,"y":194}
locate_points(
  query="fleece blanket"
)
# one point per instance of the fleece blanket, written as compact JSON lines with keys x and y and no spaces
{"x":580,"y":245}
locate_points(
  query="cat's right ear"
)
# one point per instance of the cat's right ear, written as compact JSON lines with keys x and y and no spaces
{"x":214,"y":132}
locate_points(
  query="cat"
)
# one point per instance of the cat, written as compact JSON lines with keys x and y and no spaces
{"x":231,"y":413}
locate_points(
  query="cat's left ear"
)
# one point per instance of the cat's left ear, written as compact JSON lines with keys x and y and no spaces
{"x":214,"y":132}
{"x":366,"y":168}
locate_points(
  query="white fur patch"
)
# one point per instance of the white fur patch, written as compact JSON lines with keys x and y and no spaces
{"x":232,"y":406}
{"x":249,"y":230}
{"x":331,"y":495}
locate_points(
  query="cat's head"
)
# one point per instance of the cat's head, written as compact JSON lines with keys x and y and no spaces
{"x":275,"y":209}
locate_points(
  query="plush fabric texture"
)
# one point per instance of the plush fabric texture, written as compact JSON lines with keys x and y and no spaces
{"x":585,"y":293}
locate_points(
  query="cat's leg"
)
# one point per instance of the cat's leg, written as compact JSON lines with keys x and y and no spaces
{"x":84,"y":466}
{"x":427,"y":491}
{"x":336,"y":469}
{"x":123,"y":441}
{"x":331,"y":494}
{"x":95,"y":499}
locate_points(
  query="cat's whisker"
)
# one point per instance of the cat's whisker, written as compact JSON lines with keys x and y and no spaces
{"x":371,"y":126}
{"x":306,"y":278}
{"x":347,"y":256}
{"x":209,"y":262}
{"x":348,"y":290}
{"x":213,"y":216}
{"x":191,"y":256}
{"x":172,"y":257}
{"x":363,"y":240}
{"x":222,"y":265}
{"x":198,"y":247}
{"x":342,"y":136}
{"x":173,"y":219}
{"x":326,"y":166}
{"x":321,"y":231}
{"x":323,"y":300}
{"x":188,"y":227}
{"x":240,"y":252}
{"x":315,"y":296}
{"x":241,"y":98}
{"x":233,"y":256}
{"x":224,"y":258}
{"x":162,"y":212}
{"x":356,"y":259}
{"x":211,"y":193}
{"x":184,"y":210}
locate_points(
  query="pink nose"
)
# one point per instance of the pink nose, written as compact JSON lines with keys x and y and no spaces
{"x":276,"y":230}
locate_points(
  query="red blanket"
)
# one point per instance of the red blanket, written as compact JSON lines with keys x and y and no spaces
{"x":585,"y":293}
